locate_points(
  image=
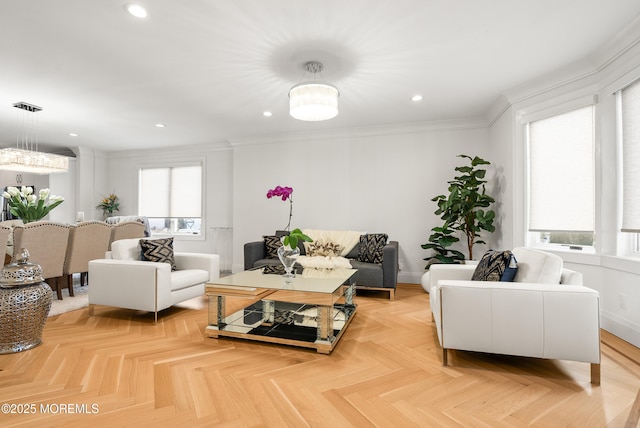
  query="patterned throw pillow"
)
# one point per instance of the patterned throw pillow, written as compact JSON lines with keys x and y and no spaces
{"x":496,"y":266}
{"x":158,"y":250}
{"x":273,"y":270}
{"x":371,"y":246}
{"x":272,"y":243}
{"x":323,"y":249}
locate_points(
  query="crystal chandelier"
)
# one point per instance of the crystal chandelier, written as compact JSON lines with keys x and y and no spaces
{"x":313,"y":101}
{"x":25,"y":157}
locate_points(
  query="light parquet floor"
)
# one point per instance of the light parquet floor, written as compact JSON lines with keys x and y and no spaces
{"x":385,"y":372}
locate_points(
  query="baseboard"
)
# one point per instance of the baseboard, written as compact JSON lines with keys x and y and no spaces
{"x":410,"y":277}
{"x":620,"y":327}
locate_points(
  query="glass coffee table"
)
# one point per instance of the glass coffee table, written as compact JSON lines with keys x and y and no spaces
{"x":311,"y":311}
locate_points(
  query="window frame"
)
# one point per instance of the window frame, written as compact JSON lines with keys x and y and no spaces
{"x":177,"y":164}
{"x":628,"y":241}
{"x":545,"y":111}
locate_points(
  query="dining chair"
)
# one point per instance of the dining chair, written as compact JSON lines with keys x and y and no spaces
{"x":47,"y":243}
{"x":88,"y":240}
{"x":4,"y":237}
{"x":126,"y":230}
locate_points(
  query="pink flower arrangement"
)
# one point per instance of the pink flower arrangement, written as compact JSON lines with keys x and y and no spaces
{"x":295,"y":235}
{"x":284,"y":192}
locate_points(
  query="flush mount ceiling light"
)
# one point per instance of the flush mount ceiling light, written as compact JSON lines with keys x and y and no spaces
{"x":25,"y":156}
{"x":136,"y":10}
{"x":313,"y":100}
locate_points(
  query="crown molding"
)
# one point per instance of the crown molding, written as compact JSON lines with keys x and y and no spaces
{"x":587,"y":72}
{"x":365,"y":132}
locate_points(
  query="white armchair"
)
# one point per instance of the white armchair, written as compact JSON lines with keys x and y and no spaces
{"x":124,"y":281}
{"x":545,"y":313}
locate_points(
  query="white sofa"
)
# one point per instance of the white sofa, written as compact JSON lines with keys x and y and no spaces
{"x":545,"y":313}
{"x":124,"y":281}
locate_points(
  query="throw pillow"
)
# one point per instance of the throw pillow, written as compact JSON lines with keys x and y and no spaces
{"x":158,"y":250}
{"x":323,"y":249}
{"x":272,"y":243}
{"x":273,"y":270}
{"x":371,"y":246}
{"x":496,"y":266}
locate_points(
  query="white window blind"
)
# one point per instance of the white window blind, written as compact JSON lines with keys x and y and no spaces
{"x":171,"y":192}
{"x":630,"y":117}
{"x":154,"y":195}
{"x":562,"y":172}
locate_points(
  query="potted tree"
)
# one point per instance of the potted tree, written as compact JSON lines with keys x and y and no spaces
{"x":462,"y":210}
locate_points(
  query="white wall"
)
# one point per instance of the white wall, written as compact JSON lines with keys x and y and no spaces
{"x":503,"y":179}
{"x":122,"y":178}
{"x":381,"y":181}
{"x":616,"y":278}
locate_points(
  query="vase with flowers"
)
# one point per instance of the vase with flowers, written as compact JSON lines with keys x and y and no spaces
{"x":109,"y":205}
{"x":29,"y":207}
{"x":288,"y":253}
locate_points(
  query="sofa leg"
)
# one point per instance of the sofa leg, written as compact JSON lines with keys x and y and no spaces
{"x":91,"y":309}
{"x":392,"y":294}
{"x":155,"y":317}
{"x":445,"y":357}
{"x":595,"y":374}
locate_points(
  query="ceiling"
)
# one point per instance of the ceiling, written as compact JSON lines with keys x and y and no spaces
{"x":207,"y":69}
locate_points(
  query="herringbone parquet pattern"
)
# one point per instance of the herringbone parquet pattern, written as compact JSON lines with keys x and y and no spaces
{"x":386,"y":372}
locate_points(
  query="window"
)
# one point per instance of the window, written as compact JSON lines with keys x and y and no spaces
{"x":629,"y":126}
{"x":171,"y":198}
{"x":562,"y":178}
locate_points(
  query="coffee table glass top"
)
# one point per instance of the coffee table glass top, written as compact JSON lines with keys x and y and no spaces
{"x":316,"y":283}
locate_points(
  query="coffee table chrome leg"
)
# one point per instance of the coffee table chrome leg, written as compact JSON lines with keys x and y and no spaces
{"x":268,"y":310}
{"x":325,"y":325}
{"x":215,"y":315}
{"x":349,"y":293}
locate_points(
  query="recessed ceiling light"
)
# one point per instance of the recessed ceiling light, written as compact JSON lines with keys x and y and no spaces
{"x":73,"y":134}
{"x":416,"y":98}
{"x":160,"y":125}
{"x":136,"y":10}
{"x":267,"y":114}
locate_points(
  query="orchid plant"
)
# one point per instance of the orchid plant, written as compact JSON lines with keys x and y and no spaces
{"x":29,"y":207}
{"x":294,"y":235}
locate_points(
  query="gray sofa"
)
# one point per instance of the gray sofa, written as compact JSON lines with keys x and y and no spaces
{"x":371,"y":276}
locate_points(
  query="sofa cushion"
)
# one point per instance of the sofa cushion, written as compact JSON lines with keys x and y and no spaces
{"x":347,"y":239}
{"x":371,"y":246}
{"x":126,"y":249}
{"x":496,"y":266}
{"x":158,"y":250}
{"x":272,"y":243}
{"x":188,"y":278}
{"x":537,"y":266}
{"x":369,"y":274}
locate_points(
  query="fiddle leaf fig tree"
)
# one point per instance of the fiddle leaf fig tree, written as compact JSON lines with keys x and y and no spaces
{"x":462,"y":210}
{"x":439,"y":241}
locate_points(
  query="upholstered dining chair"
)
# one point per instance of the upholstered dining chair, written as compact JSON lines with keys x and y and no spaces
{"x":46,"y":242}
{"x":126,"y":230}
{"x":88,"y":240}
{"x":4,"y":237}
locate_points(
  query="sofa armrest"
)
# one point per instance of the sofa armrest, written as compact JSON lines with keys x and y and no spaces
{"x":253,"y":251}
{"x":438,"y":272}
{"x":528,"y":319}
{"x":208,"y":262}
{"x":130,"y":284}
{"x":390,"y":265}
